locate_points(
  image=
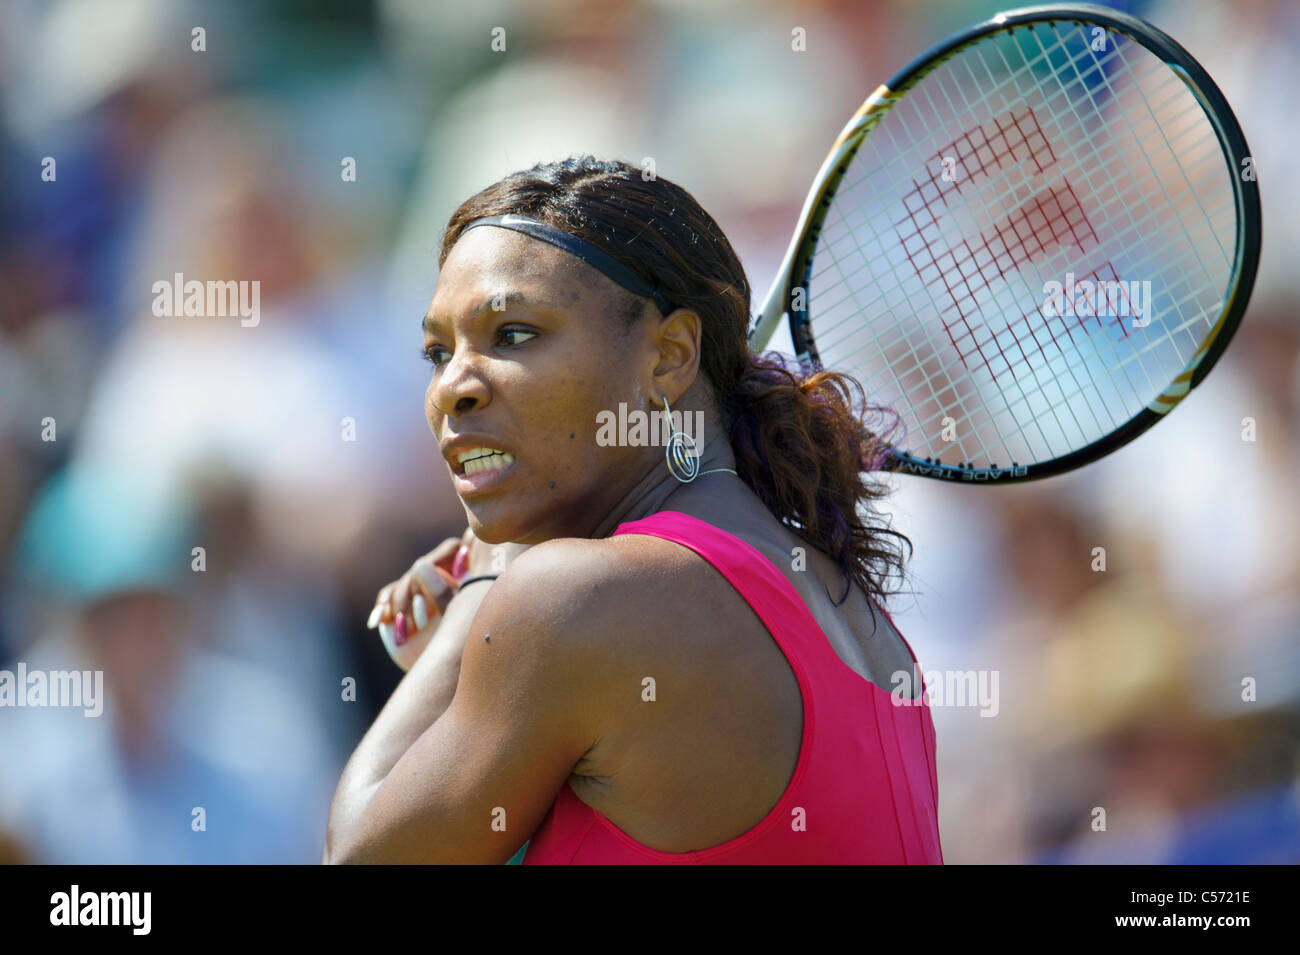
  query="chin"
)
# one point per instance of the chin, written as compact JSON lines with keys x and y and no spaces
{"x":493,"y":523}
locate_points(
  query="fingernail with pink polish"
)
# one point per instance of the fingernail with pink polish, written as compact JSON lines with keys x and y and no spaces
{"x":399,"y":630}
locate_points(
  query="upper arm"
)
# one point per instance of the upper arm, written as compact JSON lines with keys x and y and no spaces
{"x":528,"y":704}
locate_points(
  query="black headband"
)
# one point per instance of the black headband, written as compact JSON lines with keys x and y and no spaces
{"x":584,"y":250}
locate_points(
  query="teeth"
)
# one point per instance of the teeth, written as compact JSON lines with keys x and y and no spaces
{"x":476,"y":453}
{"x":490,"y":462}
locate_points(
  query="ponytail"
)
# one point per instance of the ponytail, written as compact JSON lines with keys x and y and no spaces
{"x":805,"y":451}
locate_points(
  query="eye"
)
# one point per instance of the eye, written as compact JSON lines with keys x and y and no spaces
{"x":517,"y":331}
{"x":428,"y":354}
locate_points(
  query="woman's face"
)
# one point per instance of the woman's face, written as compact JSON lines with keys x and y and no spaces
{"x":526,"y":351}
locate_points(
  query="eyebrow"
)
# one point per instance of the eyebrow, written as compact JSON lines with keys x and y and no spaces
{"x":512,"y":298}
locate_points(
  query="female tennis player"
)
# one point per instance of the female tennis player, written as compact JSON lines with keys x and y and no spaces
{"x":666,"y":657}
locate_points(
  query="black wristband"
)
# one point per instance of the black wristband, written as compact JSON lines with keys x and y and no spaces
{"x":470,"y":580}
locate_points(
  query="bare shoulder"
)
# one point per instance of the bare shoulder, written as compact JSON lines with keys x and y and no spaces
{"x":592,"y":599}
{"x":570,"y":574}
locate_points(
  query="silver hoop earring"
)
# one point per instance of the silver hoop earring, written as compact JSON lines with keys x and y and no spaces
{"x":680,"y":453}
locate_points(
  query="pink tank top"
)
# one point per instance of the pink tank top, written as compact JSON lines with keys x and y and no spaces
{"x":865,"y":787}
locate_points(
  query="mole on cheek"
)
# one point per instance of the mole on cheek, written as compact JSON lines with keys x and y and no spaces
{"x":551,"y":485}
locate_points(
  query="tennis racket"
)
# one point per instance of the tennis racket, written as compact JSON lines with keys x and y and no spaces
{"x":1031,"y":243}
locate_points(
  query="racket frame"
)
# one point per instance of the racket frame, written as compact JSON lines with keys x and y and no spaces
{"x":796,"y":266}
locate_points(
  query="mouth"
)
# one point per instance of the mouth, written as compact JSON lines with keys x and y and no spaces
{"x":480,"y":469}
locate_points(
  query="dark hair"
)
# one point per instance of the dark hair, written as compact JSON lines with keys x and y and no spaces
{"x":799,"y":443}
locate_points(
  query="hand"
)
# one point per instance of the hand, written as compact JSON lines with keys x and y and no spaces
{"x":408,"y":611}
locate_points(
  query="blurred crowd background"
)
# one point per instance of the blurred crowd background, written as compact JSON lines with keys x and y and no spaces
{"x":126,"y":439}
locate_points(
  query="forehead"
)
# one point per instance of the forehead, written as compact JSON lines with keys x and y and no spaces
{"x":488,"y":260}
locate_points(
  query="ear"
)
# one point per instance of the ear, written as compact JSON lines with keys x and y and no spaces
{"x":678,"y":340}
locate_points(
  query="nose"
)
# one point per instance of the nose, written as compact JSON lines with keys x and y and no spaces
{"x":459,"y":387}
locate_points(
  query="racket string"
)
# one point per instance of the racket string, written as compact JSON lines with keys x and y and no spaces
{"x":866,"y":250}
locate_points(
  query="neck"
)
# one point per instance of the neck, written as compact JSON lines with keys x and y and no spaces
{"x":658,"y":490}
